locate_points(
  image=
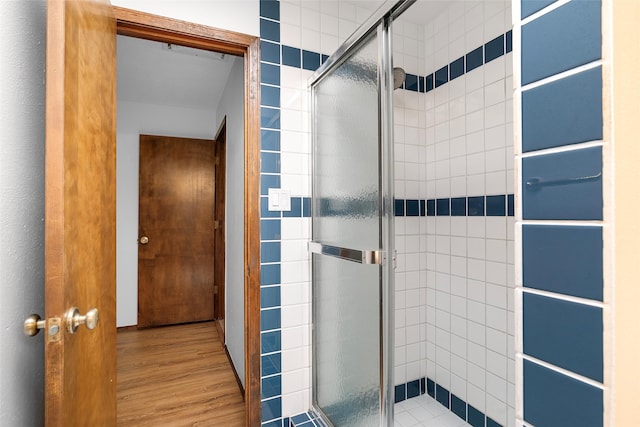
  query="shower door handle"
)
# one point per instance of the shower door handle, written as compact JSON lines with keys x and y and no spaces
{"x":375,"y":257}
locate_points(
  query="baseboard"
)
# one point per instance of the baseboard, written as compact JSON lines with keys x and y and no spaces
{"x":127,"y":328}
{"x":234,"y":371}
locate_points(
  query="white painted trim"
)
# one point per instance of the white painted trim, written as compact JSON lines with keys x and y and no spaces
{"x":544,"y":11}
{"x":563,"y":149}
{"x":563,"y":75}
{"x":563,"y":371}
{"x":563,"y":297}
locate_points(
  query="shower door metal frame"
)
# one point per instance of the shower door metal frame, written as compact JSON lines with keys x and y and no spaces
{"x":380,"y":22}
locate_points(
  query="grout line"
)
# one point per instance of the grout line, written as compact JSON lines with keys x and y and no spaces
{"x":553,"y":223}
{"x":567,"y":298}
{"x":562,"y":75}
{"x":543,"y":12}
{"x":562,"y":371}
{"x":562,"y":149}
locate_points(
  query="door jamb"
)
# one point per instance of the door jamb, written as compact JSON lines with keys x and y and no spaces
{"x":153,"y":27}
{"x":220,"y":141}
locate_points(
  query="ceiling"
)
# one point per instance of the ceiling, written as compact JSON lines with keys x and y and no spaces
{"x":157,"y":73}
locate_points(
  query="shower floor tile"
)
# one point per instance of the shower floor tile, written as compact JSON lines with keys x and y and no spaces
{"x":423,"y":411}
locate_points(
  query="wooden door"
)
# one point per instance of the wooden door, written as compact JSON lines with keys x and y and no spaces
{"x":176,"y":225}
{"x":220,"y":228}
{"x":80,"y":212}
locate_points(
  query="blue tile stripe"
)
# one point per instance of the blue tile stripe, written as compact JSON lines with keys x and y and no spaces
{"x":462,"y":409}
{"x":271,"y":56}
{"x":499,"y":46}
{"x":562,"y":185}
{"x":491,"y":205}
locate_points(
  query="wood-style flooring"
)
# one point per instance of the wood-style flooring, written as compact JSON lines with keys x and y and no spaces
{"x":176,"y":376}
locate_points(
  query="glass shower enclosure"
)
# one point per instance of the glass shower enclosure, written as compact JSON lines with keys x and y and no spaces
{"x":352,"y":228}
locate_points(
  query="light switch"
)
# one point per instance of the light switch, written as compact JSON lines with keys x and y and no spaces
{"x":279,"y":199}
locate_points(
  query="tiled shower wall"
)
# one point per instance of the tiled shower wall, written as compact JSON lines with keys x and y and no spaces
{"x":454,"y":232}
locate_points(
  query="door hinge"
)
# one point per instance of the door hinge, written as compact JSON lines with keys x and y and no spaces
{"x":215,"y":289}
{"x":216,"y":224}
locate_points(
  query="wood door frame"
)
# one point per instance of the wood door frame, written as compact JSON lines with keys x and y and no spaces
{"x":153,"y":27}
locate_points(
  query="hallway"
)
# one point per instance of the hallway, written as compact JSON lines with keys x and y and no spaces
{"x":175,"y":376}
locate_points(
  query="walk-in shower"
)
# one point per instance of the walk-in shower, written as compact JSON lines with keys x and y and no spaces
{"x":412,"y":210}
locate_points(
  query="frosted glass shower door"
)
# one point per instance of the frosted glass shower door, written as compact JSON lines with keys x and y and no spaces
{"x":347,"y":247}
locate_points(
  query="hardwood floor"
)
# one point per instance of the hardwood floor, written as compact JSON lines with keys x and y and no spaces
{"x":176,"y":376}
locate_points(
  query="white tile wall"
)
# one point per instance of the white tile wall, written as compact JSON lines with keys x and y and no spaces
{"x":468,"y":262}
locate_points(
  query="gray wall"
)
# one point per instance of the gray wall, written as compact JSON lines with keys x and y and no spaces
{"x":22,"y":31}
{"x":232,"y":105}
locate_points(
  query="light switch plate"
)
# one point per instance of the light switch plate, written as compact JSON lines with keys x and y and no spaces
{"x":279,"y":199}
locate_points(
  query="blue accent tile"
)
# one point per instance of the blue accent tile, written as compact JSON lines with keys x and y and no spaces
{"x":459,"y":206}
{"x":475,"y":59}
{"x":459,"y":407}
{"x":431,"y":388}
{"x":400,"y":393}
{"x":264,"y":209}
{"x":496,"y":205}
{"x":475,"y":206}
{"x":423,"y":385}
{"x":270,"y":96}
{"x":552,"y":399}
{"x":475,"y":417}
{"x":492,"y":423}
{"x":269,"y":52}
{"x":529,"y":7}
{"x":306,"y":207}
{"x":442,"y":76}
{"x":508,"y":41}
{"x":269,"y":296}
{"x":271,"y":409}
{"x":510,"y":205}
{"x":270,"y":30}
{"x":300,"y":418}
{"x":291,"y":56}
{"x":563,"y":259}
{"x":267,"y":182}
{"x":270,"y":319}
{"x":270,"y":140}
{"x":494,"y":49}
{"x":270,"y":9}
{"x":269,"y":74}
{"x":324,"y":58}
{"x":442,"y":207}
{"x":428,"y":83}
{"x":398,"y":207}
{"x":310,"y":60}
{"x":269,"y":162}
{"x":270,"y":274}
{"x":413,"y":208}
{"x":442,"y":395}
{"x":271,"y":364}
{"x":296,"y":208}
{"x":270,"y":342}
{"x":456,"y":68}
{"x":421,"y":87}
{"x":566,"y":111}
{"x":565,"y":185}
{"x":270,"y":229}
{"x":269,"y":118}
{"x":423,"y":208}
{"x":271,"y":386}
{"x":413,"y":389}
{"x":269,"y":252}
{"x":411,"y":82}
{"x":431,"y":207}
{"x":561,"y":40}
{"x":565,"y":334}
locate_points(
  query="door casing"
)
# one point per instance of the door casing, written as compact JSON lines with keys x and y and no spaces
{"x":152,"y":27}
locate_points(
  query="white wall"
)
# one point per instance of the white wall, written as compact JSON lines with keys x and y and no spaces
{"x":22,"y":30}
{"x":232,"y":106}
{"x":135,"y":119}
{"x":234,"y":15}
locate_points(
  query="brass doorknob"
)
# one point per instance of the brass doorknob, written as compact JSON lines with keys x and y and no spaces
{"x":144,"y":240}
{"x":73,"y":319}
{"x":32,"y":325}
